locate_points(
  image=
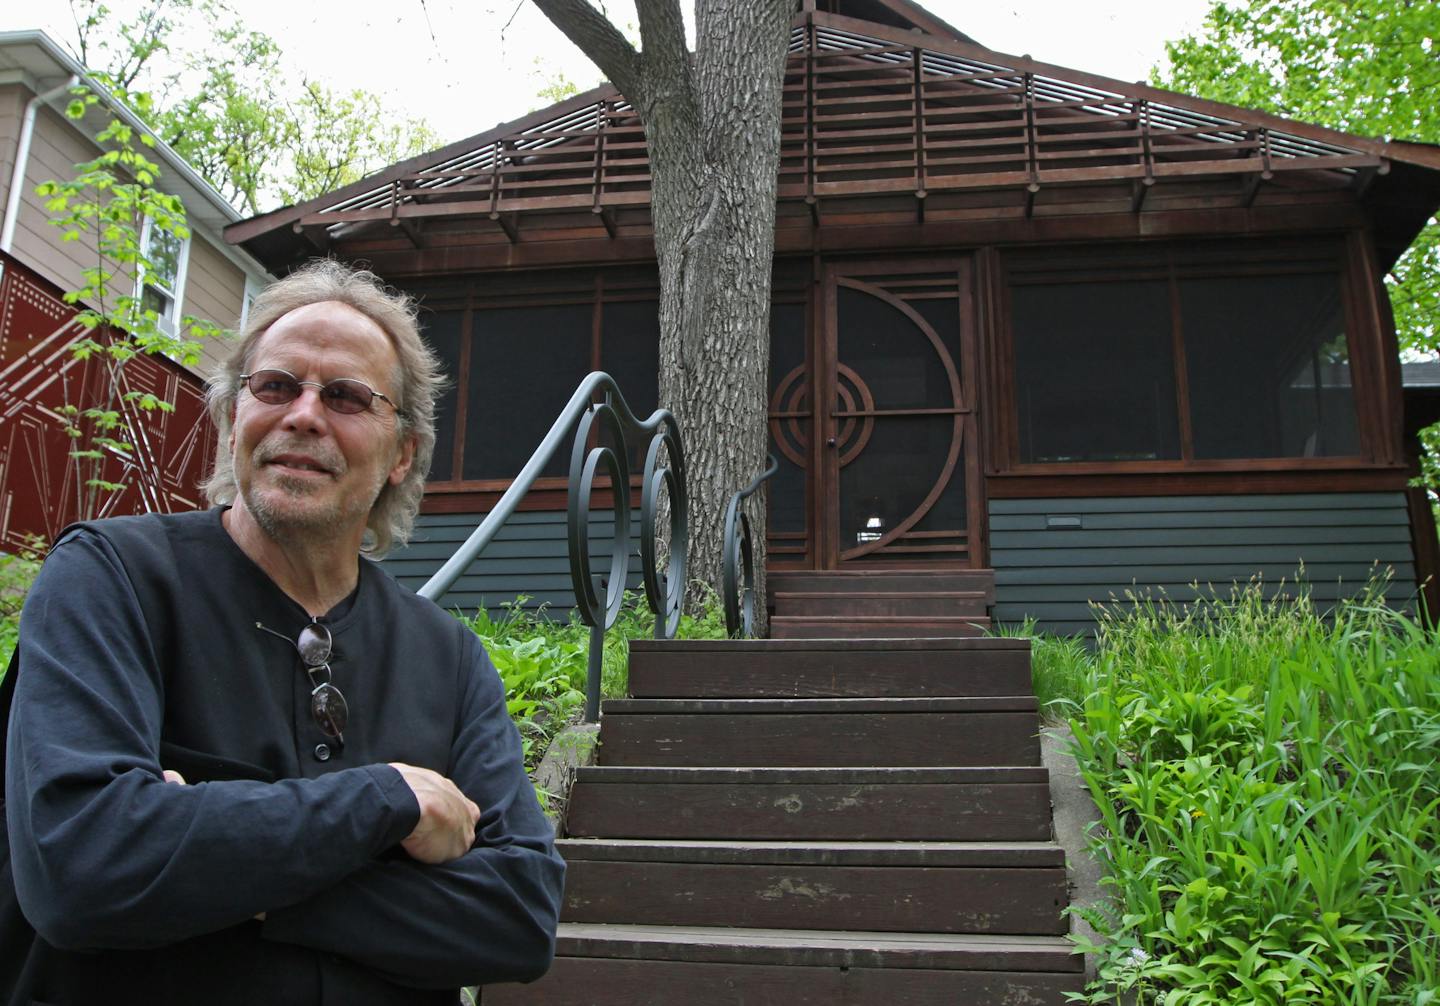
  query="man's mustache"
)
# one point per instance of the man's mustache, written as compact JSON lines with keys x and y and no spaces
{"x":324,"y":457}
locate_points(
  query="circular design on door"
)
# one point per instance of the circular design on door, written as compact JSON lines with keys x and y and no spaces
{"x":854,"y":396}
{"x":791,"y":400}
{"x":791,"y":395}
{"x":956,"y":409}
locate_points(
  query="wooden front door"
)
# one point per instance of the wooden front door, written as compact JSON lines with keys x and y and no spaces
{"x":886,"y":473}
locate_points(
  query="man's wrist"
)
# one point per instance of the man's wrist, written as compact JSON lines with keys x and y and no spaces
{"x":398,"y":796}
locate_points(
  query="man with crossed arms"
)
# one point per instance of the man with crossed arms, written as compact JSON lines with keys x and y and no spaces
{"x":244,"y":766}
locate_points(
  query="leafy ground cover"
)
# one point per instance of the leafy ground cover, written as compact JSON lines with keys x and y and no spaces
{"x":17,"y":571}
{"x":543,"y":662}
{"x":1269,"y":784}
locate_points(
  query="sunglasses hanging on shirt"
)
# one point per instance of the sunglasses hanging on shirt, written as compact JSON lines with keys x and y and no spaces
{"x":327,"y":704}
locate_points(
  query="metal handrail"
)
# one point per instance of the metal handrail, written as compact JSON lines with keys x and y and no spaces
{"x":738,"y":567}
{"x":664,"y":592}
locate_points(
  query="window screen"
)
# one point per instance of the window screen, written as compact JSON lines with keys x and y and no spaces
{"x":1094,"y":371}
{"x":443,"y":332}
{"x":1268,"y":367}
{"x":630,"y":351}
{"x":525,"y":362}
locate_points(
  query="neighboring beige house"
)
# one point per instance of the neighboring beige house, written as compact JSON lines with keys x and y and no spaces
{"x":204,"y":277}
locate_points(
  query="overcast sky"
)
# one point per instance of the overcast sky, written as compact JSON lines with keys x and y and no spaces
{"x":466,"y":66}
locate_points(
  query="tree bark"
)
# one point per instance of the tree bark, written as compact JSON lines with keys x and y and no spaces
{"x":712,"y":126}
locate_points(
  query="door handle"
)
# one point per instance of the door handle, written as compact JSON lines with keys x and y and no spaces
{"x":829,"y":441}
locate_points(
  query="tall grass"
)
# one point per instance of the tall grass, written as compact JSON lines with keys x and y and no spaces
{"x":1269,"y":786}
{"x":1060,"y":668}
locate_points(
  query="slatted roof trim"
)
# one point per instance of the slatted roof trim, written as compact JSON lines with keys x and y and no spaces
{"x":859,"y":119}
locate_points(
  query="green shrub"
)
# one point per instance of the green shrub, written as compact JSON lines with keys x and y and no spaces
{"x":17,"y":571}
{"x":1269,"y":785}
{"x":544,"y":663}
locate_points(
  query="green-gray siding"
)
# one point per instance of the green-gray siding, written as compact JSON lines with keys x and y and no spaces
{"x":1053,"y":556}
{"x":529,"y":556}
{"x":1113,"y":545}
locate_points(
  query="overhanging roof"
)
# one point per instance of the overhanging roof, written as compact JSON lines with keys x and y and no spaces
{"x":33,"y":58}
{"x":878,"y":123}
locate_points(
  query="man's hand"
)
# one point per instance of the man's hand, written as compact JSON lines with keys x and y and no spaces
{"x":447,"y":816}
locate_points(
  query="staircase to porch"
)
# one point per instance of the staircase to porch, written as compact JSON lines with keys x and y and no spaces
{"x":878,"y":604}
{"x":818,"y":821}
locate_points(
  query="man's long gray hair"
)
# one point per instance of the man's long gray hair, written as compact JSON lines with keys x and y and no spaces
{"x":421,"y":381}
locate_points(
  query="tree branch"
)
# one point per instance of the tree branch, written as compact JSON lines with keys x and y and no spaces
{"x":662,"y":34}
{"x":597,"y":38}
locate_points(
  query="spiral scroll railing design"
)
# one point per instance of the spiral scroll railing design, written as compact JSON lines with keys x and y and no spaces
{"x":738,"y":567}
{"x":605,"y":432}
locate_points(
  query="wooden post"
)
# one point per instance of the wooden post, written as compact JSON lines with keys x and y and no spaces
{"x":1032,"y":143}
{"x":917,"y":58}
{"x":810,"y":46}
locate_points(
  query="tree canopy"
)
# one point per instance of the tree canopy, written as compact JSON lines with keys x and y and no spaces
{"x":1369,"y":67}
{"x":259,"y":133}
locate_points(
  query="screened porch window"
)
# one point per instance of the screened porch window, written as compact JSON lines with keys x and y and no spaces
{"x":1177,"y":355}
{"x":524,"y":364}
{"x":515,"y":356}
{"x":1269,"y":367}
{"x":1095,"y":372}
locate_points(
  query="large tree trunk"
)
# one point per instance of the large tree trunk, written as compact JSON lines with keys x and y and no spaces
{"x":712,"y":125}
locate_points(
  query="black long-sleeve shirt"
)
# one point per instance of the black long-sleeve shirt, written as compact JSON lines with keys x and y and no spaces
{"x":143,"y":647}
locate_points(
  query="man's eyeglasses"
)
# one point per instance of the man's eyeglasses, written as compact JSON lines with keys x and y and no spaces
{"x":327,"y":705}
{"x":344,"y":394}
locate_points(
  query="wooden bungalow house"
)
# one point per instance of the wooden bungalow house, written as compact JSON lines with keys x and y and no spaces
{"x":1089,"y":334}
{"x":203,"y":277}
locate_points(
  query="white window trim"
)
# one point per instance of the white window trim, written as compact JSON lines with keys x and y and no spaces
{"x":253,"y":288}
{"x":170,"y":321}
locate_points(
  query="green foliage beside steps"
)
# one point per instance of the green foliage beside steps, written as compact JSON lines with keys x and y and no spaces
{"x":1269,"y":785}
{"x":1060,"y":667}
{"x":543,"y":662}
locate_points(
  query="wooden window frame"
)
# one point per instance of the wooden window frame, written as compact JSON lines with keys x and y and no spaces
{"x":596,"y":287}
{"x":1340,"y":252}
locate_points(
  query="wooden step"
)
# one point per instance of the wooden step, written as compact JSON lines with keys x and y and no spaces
{"x":859,"y":804}
{"x":940,"y":732}
{"x":869,"y":580}
{"x":876,"y":626}
{"x":890,"y":603}
{"x":1016,"y":888}
{"x":760,"y":668}
{"x":611,"y":965}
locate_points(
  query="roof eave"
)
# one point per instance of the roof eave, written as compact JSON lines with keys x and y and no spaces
{"x":1422,"y":156}
{"x":246,"y":230}
{"x":1411,"y":152}
{"x":203,"y":203}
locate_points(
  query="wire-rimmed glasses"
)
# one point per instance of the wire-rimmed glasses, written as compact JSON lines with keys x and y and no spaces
{"x":345,"y":395}
{"x":328,"y":707}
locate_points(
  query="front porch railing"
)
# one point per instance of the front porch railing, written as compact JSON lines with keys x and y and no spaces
{"x":738,"y":570}
{"x":615,"y":431}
